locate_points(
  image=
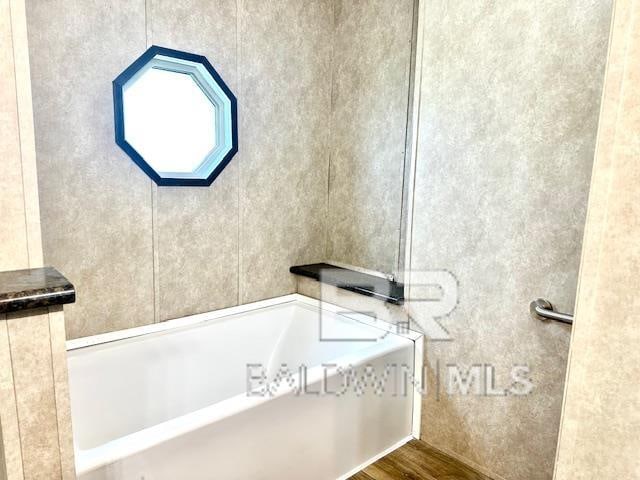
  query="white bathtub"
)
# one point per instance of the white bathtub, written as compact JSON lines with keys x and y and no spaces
{"x":185,"y":399}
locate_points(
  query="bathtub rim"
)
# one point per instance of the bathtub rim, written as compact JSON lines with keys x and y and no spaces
{"x":88,"y":460}
{"x":192,"y":320}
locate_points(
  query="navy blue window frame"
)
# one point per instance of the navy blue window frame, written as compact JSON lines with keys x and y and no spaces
{"x":118,"y":109}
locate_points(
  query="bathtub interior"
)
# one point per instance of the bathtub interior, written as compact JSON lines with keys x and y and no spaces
{"x":122,"y":387}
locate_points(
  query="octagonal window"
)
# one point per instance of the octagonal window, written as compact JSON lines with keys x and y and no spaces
{"x":175,"y":117}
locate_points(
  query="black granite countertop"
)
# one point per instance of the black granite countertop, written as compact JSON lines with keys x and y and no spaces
{"x":365,"y":284}
{"x":33,"y":288}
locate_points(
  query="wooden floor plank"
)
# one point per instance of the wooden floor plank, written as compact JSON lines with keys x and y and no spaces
{"x":417,"y":460}
{"x":386,"y":469}
{"x":361,"y":476}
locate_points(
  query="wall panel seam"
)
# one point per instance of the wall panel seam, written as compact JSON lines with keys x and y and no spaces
{"x":26,"y":126}
{"x":239,"y":262}
{"x":406,"y":167}
{"x":15,"y":396}
{"x":239,"y":157}
{"x":155,"y":252}
{"x":155,"y":240}
{"x":415,"y":147}
{"x":20,"y":473}
{"x":15,"y":81}
{"x":327,"y":213}
{"x":55,"y":396}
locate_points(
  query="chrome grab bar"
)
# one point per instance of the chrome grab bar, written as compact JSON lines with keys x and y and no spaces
{"x":543,"y":310}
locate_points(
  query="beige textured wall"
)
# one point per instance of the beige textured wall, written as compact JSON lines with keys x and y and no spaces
{"x":285,"y":50}
{"x":95,"y":203}
{"x":13,"y":235}
{"x":601,"y":414}
{"x":510,"y":93}
{"x":370,"y":90}
{"x":35,"y":424}
{"x":138,"y":253}
{"x":20,"y":232}
{"x":194,"y":224}
{"x":34,"y":395}
{"x":35,"y":413}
